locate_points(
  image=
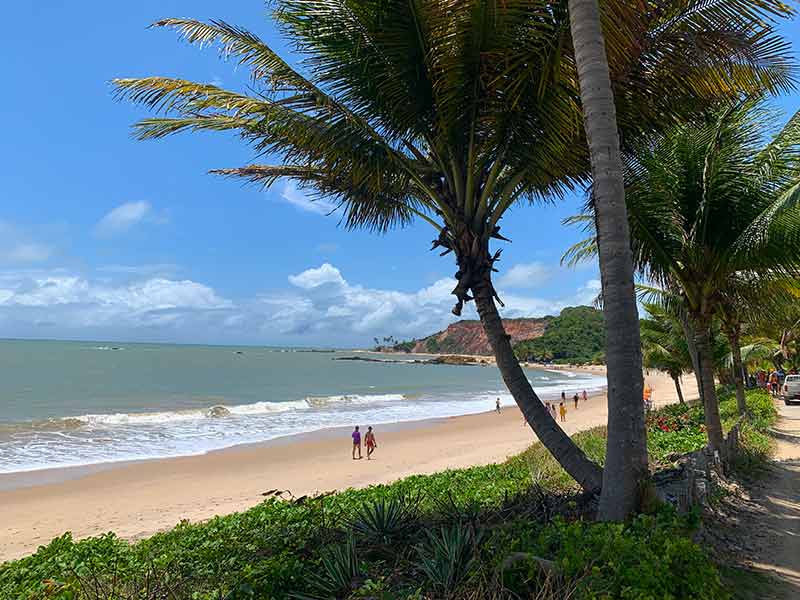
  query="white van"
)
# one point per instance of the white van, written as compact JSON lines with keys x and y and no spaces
{"x":791,"y":389}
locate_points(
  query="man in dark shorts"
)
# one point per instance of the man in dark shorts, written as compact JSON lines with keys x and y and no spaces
{"x":356,"y":442}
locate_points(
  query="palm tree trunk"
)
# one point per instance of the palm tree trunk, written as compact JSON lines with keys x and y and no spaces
{"x":702,"y":337}
{"x":688,"y":332}
{"x":566,"y":452}
{"x":733,"y":335}
{"x":678,"y":389}
{"x":626,"y":450}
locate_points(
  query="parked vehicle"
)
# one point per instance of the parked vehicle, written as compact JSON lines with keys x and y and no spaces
{"x":791,"y":389}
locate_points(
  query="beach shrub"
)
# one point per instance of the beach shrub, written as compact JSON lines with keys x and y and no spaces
{"x":679,"y":428}
{"x":651,"y":557}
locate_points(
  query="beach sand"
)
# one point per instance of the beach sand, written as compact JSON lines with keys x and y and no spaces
{"x":138,"y":499}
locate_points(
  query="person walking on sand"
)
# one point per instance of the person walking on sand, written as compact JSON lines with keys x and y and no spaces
{"x":585,"y":396}
{"x":646,"y":394}
{"x":575,"y":400}
{"x":497,"y":406}
{"x":369,"y":440}
{"x":356,"y":443}
{"x":563,"y":411}
{"x":563,"y":397}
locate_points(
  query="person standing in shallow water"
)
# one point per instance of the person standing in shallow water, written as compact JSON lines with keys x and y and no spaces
{"x":356,"y":442}
{"x":585,"y":396}
{"x":497,"y":406}
{"x":369,"y":440}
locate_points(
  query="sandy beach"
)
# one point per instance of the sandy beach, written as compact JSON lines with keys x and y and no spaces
{"x":138,"y":499}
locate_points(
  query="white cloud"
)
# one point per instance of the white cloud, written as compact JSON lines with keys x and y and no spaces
{"x":525,"y":276}
{"x":123,"y":217}
{"x":314,"y":278}
{"x":75,"y":306}
{"x":316,"y":306}
{"x":296,"y":197}
{"x":324,"y":304}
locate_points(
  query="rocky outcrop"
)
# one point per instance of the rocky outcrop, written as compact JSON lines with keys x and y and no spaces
{"x":468,"y":337}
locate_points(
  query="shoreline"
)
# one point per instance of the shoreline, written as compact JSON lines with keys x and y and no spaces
{"x":138,"y":499}
{"x":38,"y":475}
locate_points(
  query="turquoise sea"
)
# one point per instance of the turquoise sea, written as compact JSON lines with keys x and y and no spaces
{"x":81,"y":403}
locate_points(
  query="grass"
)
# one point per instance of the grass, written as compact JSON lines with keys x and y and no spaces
{"x":446,"y":535}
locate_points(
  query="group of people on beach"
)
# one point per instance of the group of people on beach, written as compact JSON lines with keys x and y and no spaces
{"x":369,"y":442}
{"x":560,"y":413}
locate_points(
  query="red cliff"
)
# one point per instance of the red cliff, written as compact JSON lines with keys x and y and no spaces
{"x":468,"y":337}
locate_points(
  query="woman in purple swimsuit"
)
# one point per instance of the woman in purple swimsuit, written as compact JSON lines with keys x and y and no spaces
{"x":356,"y":442}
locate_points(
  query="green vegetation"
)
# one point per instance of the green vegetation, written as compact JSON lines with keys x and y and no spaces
{"x":406,"y":346}
{"x":713,"y":213}
{"x":427,"y":536}
{"x":680,"y":428}
{"x":577,"y":335}
{"x":446,"y":346}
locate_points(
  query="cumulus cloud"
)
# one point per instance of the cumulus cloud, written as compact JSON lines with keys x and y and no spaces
{"x":316,"y":306}
{"x":299,"y":199}
{"x":124,"y":217}
{"x":324,"y":303}
{"x":525,"y":276}
{"x":76,"y":306}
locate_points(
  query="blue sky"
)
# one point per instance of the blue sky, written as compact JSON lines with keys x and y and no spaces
{"x":103,"y":237}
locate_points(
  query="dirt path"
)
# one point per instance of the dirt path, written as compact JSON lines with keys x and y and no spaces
{"x":770,"y":524}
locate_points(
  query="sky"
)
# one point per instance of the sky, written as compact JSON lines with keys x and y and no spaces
{"x":106,"y":238}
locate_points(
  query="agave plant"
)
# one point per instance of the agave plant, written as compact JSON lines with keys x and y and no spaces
{"x":451,"y":112}
{"x":447,"y":556}
{"x":338,"y":575}
{"x":385,"y":520}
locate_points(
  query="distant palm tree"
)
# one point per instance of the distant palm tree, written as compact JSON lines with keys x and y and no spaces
{"x":710,"y":203}
{"x":451,"y":112}
{"x":747,"y":302}
{"x":664,"y":346}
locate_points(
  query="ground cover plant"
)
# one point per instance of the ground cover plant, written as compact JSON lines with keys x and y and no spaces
{"x":514,"y":529}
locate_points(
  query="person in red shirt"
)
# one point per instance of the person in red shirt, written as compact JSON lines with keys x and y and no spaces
{"x":369,"y":440}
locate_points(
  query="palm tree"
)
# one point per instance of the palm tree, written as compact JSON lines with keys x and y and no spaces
{"x":626,"y":452}
{"x":664,"y":346}
{"x":710,"y":204}
{"x":745,"y":301}
{"x":451,"y":112}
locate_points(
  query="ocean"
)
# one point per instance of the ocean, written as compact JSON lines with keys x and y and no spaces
{"x":83,"y":403}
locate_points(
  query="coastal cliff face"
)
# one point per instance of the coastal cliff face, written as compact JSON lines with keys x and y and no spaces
{"x":468,"y":337}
